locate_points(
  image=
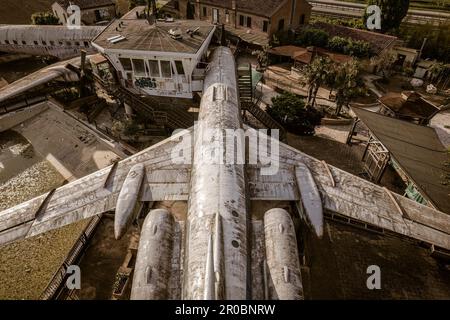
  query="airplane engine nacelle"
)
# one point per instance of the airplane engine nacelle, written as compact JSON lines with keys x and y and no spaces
{"x":153,"y":262}
{"x":283,"y":263}
{"x":128,"y":204}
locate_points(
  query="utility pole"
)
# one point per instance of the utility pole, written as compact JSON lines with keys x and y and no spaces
{"x":421,"y":49}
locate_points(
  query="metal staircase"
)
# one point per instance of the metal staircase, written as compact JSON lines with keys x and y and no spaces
{"x":248,"y":102}
{"x":263,"y":117}
{"x":163,"y":114}
{"x":245,"y":82}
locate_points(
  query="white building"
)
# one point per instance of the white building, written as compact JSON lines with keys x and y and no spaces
{"x":160,"y":58}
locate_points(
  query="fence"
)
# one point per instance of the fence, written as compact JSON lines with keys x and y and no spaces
{"x":55,"y":287}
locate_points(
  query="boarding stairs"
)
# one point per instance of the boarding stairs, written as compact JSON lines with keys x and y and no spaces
{"x":162,"y":114}
{"x":250,"y":104}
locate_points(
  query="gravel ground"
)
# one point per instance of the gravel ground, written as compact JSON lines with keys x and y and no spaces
{"x":26,"y":267}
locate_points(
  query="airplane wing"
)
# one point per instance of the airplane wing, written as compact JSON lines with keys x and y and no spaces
{"x":42,"y":76}
{"x":345,"y":197}
{"x":98,"y":192}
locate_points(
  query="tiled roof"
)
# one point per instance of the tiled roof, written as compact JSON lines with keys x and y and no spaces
{"x":305,"y":55}
{"x":265,"y":8}
{"x":409,"y":104}
{"x":86,"y":4}
{"x":378,"y":41}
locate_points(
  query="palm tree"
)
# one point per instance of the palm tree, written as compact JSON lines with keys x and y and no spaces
{"x":315,"y":75}
{"x":344,"y":81}
{"x":151,"y":7}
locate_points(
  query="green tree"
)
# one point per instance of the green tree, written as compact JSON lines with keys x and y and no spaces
{"x":344,"y":80}
{"x":262,"y":56}
{"x":392,"y":13}
{"x":150,"y":4}
{"x":44,"y":18}
{"x":290,"y":110}
{"x":384,"y":63}
{"x":446,"y":176}
{"x":437,"y":45}
{"x":439,"y":73}
{"x":315,"y":75}
{"x":308,"y":36}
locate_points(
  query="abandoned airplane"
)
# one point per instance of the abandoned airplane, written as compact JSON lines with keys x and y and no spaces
{"x":220,"y":250}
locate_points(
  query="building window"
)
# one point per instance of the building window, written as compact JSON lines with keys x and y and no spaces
{"x":139,"y":67}
{"x":227,"y":17}
{"x":24,"y":43}
{"x":215,"y":14}
{"x":205,"y":12}
{"x":154,"y":68}
{"x":52,"y":43}
{"x":7,"y":41}
{"x":179,"y":66}
{"x":86,"y":44}
{"x":302,"y":19}
{"x":15,"y":42}
{"x":77,"y":43}
{"x":249,"y":22}
{"x":241,"y":20}
{"x":265,"y":26}
{"x":126,"y":64}
{"x":176,"y":5}
{"x":36,"y":43}
{"x":166,"y":70}
{"x":68,"y":43}
{"x":281,"y":25}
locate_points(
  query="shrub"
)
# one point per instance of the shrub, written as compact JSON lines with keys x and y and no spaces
{"x":44,"y":18}
{"x":290,"y":110}
{"x":338,"y":44}
{"x":311,"y":37}
{"x":350,"y":47}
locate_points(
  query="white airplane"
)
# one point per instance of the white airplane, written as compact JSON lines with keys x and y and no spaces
{"x":220,"y":250}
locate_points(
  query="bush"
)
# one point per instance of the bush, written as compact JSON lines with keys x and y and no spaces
{"x":338,"y":44}
{"x":289,"y":110}
{"x":350,"y":47}
{"x":311,"y":37}
{"x":438,"y":40}
{"x":44,"y":18}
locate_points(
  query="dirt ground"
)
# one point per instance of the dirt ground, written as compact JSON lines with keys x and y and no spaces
{"x":336,"y":266}
{"x":19,"y":12}
{"x":342,"y":156}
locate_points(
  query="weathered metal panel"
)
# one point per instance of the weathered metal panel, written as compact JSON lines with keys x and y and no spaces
{"x":154,"y":258}
{"x":57,"y":41}
{"x":217,"y":189}
{"x":360,"y":200}
{"x":89,"y":195}
{"x":258,"y":253}
{"x":282,"y":256}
